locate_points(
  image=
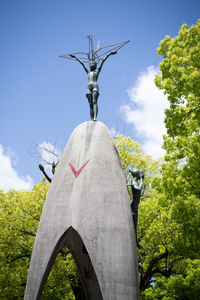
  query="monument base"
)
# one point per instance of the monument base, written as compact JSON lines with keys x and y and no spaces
{"x":87,"y":209}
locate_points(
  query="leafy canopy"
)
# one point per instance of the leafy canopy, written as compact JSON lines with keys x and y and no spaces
{"x":180,"y":80}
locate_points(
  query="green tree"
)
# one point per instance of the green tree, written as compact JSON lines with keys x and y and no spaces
{"x":180,"y":80}
{"x":179,"y":186}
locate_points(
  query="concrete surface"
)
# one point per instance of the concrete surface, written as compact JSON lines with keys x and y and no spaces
{"x":90,"y":210}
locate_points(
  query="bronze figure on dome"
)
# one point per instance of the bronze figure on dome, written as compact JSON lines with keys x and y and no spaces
{"x":93,"y":58}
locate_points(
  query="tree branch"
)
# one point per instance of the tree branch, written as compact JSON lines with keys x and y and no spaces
{"x":37,"y":219}
{"x":198,"y":106}
{"x":27,"y":232}
{"x":20,"y":256}
{"x":144,"y":281}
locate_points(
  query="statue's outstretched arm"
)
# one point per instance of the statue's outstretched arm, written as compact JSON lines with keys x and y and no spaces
{"x":73,"y":56}
{"x":45,"y":174}
{"x":103,"y":61}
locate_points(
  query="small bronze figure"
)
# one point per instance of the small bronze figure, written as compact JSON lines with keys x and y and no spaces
{"x":137,"y":190}
{"x":93,"y":58}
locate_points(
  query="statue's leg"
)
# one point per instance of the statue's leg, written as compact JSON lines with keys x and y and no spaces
{"x":134,"y":215}
{"x":135,"y":220}
{"x":95,"y":96}
{"x":89,"y":97}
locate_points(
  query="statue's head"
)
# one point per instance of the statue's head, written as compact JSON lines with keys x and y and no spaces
{"x":135,"y":173}
{"x":93,"y":65}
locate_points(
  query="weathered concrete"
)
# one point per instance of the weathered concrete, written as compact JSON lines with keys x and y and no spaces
{"x":89,"y":211}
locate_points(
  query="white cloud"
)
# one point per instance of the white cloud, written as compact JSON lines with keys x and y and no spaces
{"x":146,"y":111}
{"x":49,"y":154}
{"x":9,"y":179}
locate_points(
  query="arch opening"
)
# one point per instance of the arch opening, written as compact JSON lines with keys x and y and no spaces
{"x":70,"y":243}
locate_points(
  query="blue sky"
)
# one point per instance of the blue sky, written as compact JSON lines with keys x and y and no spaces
{"x":42,"y":96}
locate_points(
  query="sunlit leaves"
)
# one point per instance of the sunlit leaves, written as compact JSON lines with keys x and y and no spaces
{"x":180,"y":78}
{"x":179,"y":185}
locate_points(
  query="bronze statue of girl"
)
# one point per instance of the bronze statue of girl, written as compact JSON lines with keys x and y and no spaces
{"x":93,"y":57}
{"x":92,"y":93}
{"x":137,"y":186}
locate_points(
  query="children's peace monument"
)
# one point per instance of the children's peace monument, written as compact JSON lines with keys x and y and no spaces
{"x":87,"y":207}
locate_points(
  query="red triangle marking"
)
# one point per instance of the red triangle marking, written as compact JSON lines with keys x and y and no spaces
{"x":76,"y":173}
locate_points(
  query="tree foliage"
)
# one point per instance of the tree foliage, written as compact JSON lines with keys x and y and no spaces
{"x":180,"y":80}
{"x":179,"y":185}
